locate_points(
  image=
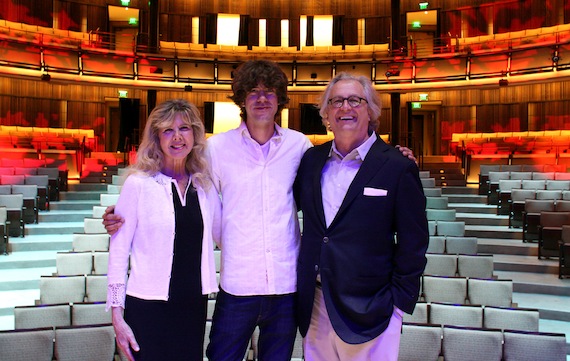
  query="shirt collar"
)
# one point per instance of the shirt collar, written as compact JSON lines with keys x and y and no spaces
{"x":360,"y":152}
{"x":277,"y":132}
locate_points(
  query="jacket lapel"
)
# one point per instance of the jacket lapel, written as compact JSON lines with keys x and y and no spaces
{"x":372,"y":164}
{"x":320,"y":160}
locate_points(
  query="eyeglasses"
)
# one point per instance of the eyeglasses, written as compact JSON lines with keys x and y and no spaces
{"x":353,"y":101}
{"x":256,"y":93}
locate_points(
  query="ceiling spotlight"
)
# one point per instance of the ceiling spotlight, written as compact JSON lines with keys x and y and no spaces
{"x":555,"y":59}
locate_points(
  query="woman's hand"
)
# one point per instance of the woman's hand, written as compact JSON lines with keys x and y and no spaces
{"x":112,"y":221}
{"x":123,"y":334}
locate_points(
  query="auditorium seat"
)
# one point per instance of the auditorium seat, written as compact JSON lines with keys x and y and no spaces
{"x":89,"y":313}
{"x":508,"y":318}
{"x":462,"y":343}
{"x":95,"y":288}
{"x":42,"y":316}
{"x":4,"y":230}
{"x":14,"y":204}
{"x":61,"y":289}
{"x":100,"y":262}
{"x":444,"y":289}
{"x":73,"y":263}
{"x":532,"y":346}
{"x":441,"y":265}
{"x":531,"y":217}
{"x":550,"y":233}
{"x":517,"y":203}
{"x":90,"y":242}
{"x":27,"y":344}
{"x":490,"y":292}
{"x":420,"y":342}
{"x":456,"y":314}
{"x":436,"y":244}
{"x":475,"y":265}
{"x":420,"y":314}
{"x":84,"y":343}
{"x":460,"y":245}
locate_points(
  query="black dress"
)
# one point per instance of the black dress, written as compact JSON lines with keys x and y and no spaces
{"x":174,"y":329}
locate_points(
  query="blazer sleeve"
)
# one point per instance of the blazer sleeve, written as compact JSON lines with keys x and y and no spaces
{"x":412,"y":240}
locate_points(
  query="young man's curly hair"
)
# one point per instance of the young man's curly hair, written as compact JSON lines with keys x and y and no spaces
{"x":253,"y":73}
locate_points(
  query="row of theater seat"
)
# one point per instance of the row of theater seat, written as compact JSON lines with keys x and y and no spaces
{"x":466,"y":315}
{"x":427,"y":342}
{"x":463,"y":290}
{"x":452,"y":343}
{"x":434,"y":288}
{"x":535,"y":167}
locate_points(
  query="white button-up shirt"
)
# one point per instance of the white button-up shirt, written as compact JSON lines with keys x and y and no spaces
{"x":260,"y":229}
{"x":337,"y":175}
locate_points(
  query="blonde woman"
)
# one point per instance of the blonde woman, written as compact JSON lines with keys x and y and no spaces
{"x":170,"y":219}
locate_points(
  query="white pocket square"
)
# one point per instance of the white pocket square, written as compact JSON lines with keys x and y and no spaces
{"x":375,"y":192}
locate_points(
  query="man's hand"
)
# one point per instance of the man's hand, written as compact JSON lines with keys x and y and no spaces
{"x":112,"y":221}
{"x":407,"y":152}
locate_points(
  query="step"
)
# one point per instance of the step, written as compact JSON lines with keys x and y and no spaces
{"x":40,"y":242}
{"x":467,"y":198}
{"x":97,"y":179}
{"x":87,"y":187}
{"x":449,"y":182}
{"x":473,"y":208}
{"x":438,"y":166}
{"x":61,"y":216}
{"x":11,"y":299}
{"x":74,"y":205}
{"x":18,"y":279}
{"x":80,"y":195}
{"x":484,"y":231}
{"x":28,"y":259}
{"x":526,"y":282}
{"x":482,"y":219}
{"x":460,"y":190}
{"x":498,"y":246}
{"x":531,"y":264}
{"x":54,"y":228}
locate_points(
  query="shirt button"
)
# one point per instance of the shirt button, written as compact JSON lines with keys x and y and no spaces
{"x":316,"y":268}
{"x":268,"y":251}
{"x":326,"y":239}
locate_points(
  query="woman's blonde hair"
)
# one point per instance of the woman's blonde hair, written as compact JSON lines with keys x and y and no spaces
{"x":150,"y":157}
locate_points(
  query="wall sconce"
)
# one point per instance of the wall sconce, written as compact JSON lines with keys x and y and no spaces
{"x":45,"y":77}
{"x":188,"y":88}
{"x":503,"y":82}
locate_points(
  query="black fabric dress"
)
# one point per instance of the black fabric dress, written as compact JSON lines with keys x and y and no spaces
{"x":174,"y":330}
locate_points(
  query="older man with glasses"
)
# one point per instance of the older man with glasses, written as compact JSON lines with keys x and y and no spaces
{"x":364,"y":233}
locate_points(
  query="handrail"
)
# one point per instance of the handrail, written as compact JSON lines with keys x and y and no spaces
{"x":136,"y":62}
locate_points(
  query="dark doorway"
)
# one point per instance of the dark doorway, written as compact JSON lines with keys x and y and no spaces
{"x":422,"y":133}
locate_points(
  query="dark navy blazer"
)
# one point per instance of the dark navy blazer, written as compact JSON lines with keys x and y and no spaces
{"x":372,"y":255}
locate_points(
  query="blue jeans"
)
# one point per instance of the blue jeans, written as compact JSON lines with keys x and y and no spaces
{"x":235,"y":319}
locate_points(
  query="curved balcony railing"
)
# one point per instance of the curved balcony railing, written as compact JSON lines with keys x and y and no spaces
{"x":67,"y":53}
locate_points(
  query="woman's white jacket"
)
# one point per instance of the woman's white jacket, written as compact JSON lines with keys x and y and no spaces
{"x":145,"y":242}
